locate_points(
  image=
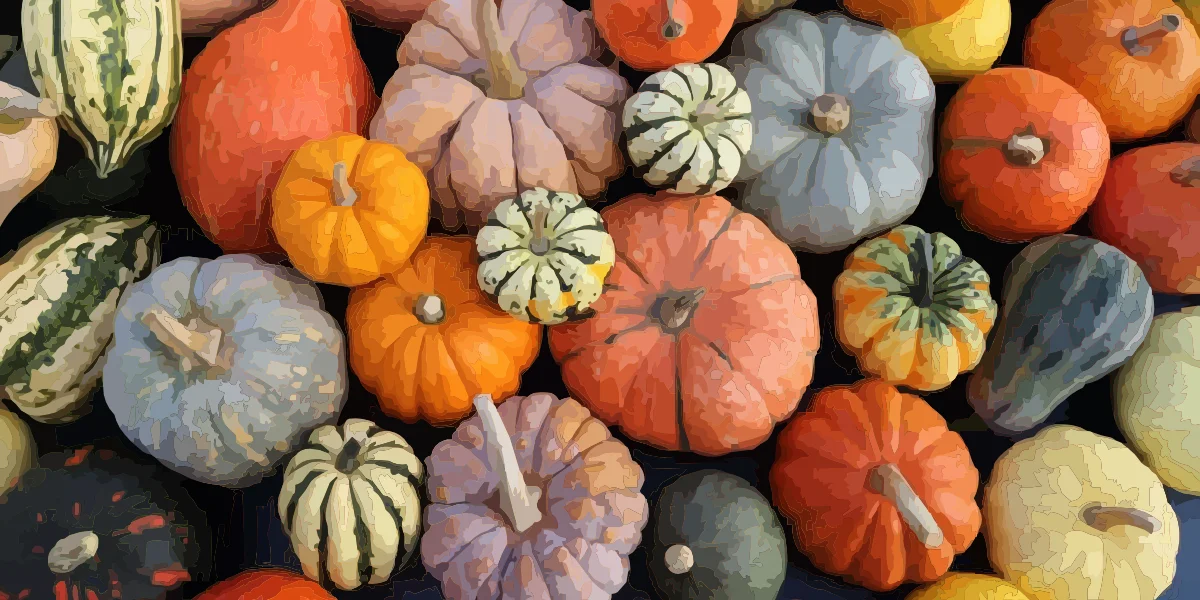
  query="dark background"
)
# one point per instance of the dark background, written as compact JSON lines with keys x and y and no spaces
{"x":244,"y":524}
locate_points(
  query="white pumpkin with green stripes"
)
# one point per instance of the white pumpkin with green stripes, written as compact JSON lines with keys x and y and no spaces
{"x":350,"y":504}
{"x":58,"y":298}
{"x":112,"y":67}
{"x":543,"y":256}
{"x":687,"y":128}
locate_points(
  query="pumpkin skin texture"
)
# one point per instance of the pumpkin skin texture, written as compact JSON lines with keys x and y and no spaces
{"x":17,"y":450}
{"x":1141,"y":89}
{"x":903,"y":14}
{"x":28,"y":144}
{"x":963,"y":44}
{"x":913,"y":309}
{"x":255,"y":94}
{"x":1023,"y":154}
{"x":543,"y":113}
{"x":205,"y":17}
{"x":652,"y":35}
{"x":1072,"y":514}
{"x":876,"y":488}
{"x":968,"y":586}
{"x":840,"y":152}
{"x":426,"y":339}
{"x":1149,"y":207}
{"x":219,"y":367}
{"x":705,"y":336}
{"x":1156,"y":396}
{"x":570,"y":509}
{"x":349,"y":225}
{"x":715,"y":536}
{"x":1074,"y":309}
{"x":266,"y":584}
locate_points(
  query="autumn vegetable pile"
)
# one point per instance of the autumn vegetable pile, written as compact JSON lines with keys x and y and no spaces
{"x":454,"y":326}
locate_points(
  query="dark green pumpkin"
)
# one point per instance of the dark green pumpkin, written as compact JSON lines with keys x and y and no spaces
{"x":1074,"y":310}
{"x":733,"y":539}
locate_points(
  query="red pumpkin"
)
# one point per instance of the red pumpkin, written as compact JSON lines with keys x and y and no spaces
{"x":1149,"y":207}
{"x":266,"y":584}
{"x":652,"y":35}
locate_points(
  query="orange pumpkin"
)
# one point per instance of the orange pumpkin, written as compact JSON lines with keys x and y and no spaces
{"x":1137,"y":62}
{"x":1022,"y":154}
{"x":347,"y":211}
{"x":652,"y":35}
{"x":266,"y":584}
{"x":903,"y":14}
{"x":705,"y":334}
{"x":877,"y":489}
{"x":426,"y":340}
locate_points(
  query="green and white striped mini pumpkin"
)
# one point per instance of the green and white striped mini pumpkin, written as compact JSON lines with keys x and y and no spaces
{"x":543,"y":256}
{"x":58,"y":299}
{"x":687,"y":128}
{"x":350,"y":504}
{"x":113,"y":68}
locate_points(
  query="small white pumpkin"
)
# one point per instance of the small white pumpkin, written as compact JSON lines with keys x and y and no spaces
{"x":687,"y":128}
{"x":350,"y":504}
{"x":28,"y":144}
{"x":543,"y":256}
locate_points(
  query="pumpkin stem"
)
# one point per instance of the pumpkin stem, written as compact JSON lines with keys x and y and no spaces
{"x":518,"y":501}
{"x":183,"y":341}
{"x":72,"y":551}
{"x":1107,"y":517}
{"x":673,"y":28}
{"x":1136,"y":39}
{"x":430,"y":309}
{"x":674,"y":310}
{"x":505,"y":80}
{"x":539,"y":244}
{"x":1187,"y":173}
{"x":1025,"y":149}
{"x":886,"y":479}
{"x":347,"y":459}
{"x":679,"y":559}
{"x":831,"y":113}
{"x":922,"y":292}
{"x":343,"y":193}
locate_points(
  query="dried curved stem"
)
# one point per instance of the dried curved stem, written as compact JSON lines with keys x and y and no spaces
{"x":1104,"y":518}
{"x":505,"y":80}
{"x":343,"y":193}
{"x":518,"y":501}
{"x":886,"y":479}
{"x":203,"y":347}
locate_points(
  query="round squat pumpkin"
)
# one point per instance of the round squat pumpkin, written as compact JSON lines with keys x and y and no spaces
{"x":968,"y":586}
{"x":1022,"y":154}
{"x":877,"y":489}
{"x":652,"y":35}
{"x":426,"y":339}
{"x":903,"y":14}
{"x":705,"y":335}
{"x":913,"y":309}
{"x":716,"y":537}
{"x":1150,"y":209}
{"x":266,"y":584}
{"x":1072,"y":514}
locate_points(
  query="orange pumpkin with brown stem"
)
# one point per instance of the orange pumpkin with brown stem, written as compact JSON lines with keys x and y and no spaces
{"x":652,"y":35}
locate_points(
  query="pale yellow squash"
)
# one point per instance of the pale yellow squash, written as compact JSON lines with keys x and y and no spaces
{"x":28,"y":144}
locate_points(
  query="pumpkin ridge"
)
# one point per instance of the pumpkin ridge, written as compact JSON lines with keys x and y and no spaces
{"x":323,"y":538}
{"x":394,"y":513}
{"x":681,"y":432}
{"x":704,"y":252}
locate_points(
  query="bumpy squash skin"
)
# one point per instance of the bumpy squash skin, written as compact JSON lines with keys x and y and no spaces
{"x":1074,"y":310}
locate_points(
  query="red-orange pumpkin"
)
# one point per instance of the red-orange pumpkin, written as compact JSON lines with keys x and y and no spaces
{"x":652,"y":35}
{"x":266,"y":584}
{"x":903,"y":14}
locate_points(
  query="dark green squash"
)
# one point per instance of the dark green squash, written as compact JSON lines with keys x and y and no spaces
{"x":1074,"y":309}
{"x":716,"y":537}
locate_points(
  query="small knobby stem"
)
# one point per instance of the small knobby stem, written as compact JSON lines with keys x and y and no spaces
{"x":72,"y":551}
{"x":343,"y":193}
{"x":1025,"y":149}
{"x":505,"y":80}
{"x":539,"y":244}
{"x":430,"y":309}
{"x":887,"y":480}
{"x":831,"y":113}
{"x":203,"y":347}
{"x":518,"y":501}
{"x":1187,"y":173}
{"x":679,"y":559}
{"x":674,"y":310}
{"x":673,"y":28}
{"x":347,"y":459}
{"x":1104,"y":518}
{"x":1137,"y":40}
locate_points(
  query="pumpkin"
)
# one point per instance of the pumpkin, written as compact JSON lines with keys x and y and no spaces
{"x":205,"y":17}
{"x":489,"y":111}
{"x":903,"y":14}
{"x":714,"y":536}
{"x":705,"y":335}
{"x":687,"y":128}
{"x":1187,"y":581}
{"x":266,"y":584}
{"x":219,"y":367}
{"x":840,"y":152}
{"x":1156,"y":408}
{"x":876,"y":488}
{"x":28,"y":144}
{"x":652,"y":35}
{"x":396,"y":15}
{"x":61,"y":289}
{"x":17,"y":450}
{"x":351,"y":505}
{"x":1022,"y":154}
{"x":426,"y":338}
{"x":90,"y":524}
{"x":543,"y":256}
{"x":256,"y":93}
{"x":963,"y":44}
{"x":1149,"y":207}
{"x":570,"y":509}
{"x":753,"y":10}
{"x":1073,"y":310}
{"x":968,"y":586}
{"x":347,"y":210}
{"x":1138,"y":63}
{"x":913,"y":309}
{"x":1072,"y":514}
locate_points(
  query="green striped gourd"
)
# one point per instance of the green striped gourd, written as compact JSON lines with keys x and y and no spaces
{"x":113,"y":68}
{"x":58,"y":296}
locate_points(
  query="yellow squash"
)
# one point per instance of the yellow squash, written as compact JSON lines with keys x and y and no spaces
{"x":968,"y":586}
{"x":963,"y":44}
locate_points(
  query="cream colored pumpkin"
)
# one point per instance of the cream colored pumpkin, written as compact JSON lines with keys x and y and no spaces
{"x":28,"y":144}
{"x":1075,"y":515}
{"x":1157,"y":399}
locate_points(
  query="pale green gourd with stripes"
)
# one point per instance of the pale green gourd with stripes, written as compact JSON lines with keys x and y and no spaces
{"x":113,"y":68}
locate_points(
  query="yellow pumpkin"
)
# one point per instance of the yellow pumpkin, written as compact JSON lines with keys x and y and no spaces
{"x":348,"y":211}
{"x":968,"y":586}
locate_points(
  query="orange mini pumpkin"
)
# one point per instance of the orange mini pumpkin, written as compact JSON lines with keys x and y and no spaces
{"x":652,"y":35}
{"x":347,"y":210}
{"x":1022,"y":154}
{"x":903,"y":14}
{"x":426,"y":340}
{"x":266,"y":584}
{"x":876,"y":487}
{"x":1137,"y":62}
